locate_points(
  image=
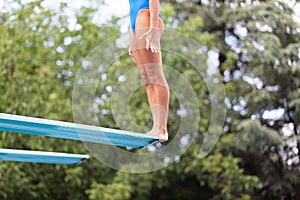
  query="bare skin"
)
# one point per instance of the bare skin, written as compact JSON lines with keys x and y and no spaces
{"x":145,"y":51}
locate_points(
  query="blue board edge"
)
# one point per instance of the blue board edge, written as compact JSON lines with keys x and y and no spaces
{"x":41,"y":157}
{"x":72,"y":131}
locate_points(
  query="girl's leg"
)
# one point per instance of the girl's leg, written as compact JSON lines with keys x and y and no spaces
{"x":150,"y":67}
{"x":157,"y":90}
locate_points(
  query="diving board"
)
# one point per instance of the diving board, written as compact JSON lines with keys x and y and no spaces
{"x":41,"y":157}
{"x":72,"y":131}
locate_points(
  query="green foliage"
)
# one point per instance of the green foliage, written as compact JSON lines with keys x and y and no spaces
{"x":223,"y":175}
{"x":118,"y":191}
{"x":252,"y":136}
{"x":217,"y":174}
{"x":37,"y":70}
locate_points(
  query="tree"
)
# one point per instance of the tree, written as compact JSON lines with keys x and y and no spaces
{"x":258,"y":47}
{"x":39,"y":57}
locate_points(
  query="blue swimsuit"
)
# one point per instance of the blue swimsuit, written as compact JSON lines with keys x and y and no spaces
{"x":135,"y":7}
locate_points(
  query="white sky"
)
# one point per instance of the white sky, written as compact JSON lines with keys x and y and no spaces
{"x":117,"y":5}
{"x":118,"y":8}
{"x":113,"y":7}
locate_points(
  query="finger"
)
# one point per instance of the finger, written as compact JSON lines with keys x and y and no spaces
{"x":146,"y":34}
{"x":157,"y":47}
{"x":153,"y":49}
{"x":147,"y":44}
{"x":143,"y":35}
{"x":151,"y":46}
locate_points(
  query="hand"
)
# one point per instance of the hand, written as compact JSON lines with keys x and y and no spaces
{"x":152,"y":37}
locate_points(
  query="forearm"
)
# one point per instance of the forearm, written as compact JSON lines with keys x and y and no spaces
{"x":154,"y":10}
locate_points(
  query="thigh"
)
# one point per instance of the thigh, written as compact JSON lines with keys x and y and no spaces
{"x":138,"y":47}
{"x":146,"y":57}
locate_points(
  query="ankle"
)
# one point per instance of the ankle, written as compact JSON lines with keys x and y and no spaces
{"x":163,"y":129}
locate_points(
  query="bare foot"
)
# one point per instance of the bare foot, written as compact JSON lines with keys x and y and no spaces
{"x":161,"y":133}
{"x":153,"y":131}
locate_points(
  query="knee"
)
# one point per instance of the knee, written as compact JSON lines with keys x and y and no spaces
{"x":156,"y":75}
{"x":144,"y":75}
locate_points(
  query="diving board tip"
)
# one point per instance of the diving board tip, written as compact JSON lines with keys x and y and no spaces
{"x":41,"y":157}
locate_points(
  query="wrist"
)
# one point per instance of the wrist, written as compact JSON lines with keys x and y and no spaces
{"x":153,"y":23}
